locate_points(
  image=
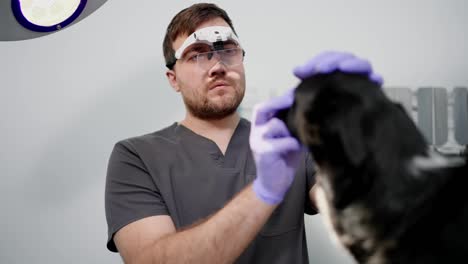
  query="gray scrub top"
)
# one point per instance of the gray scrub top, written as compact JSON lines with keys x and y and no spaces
{"x":179,"y":173}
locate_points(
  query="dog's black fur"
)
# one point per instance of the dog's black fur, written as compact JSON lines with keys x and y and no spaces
{"x":389,"y":200}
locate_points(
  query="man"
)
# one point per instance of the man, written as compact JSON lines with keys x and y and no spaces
{"x":197,"y":191}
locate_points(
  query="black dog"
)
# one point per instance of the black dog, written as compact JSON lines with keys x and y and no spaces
{"x":388,"y":198}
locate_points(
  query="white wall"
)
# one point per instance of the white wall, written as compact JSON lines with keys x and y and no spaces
{"x":66,"y":98}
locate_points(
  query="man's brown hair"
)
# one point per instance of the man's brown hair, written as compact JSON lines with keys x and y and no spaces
{"x":186,"y":21}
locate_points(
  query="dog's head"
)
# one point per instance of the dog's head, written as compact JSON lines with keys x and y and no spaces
{"x":355,"y":133}
{"x":330,"y":110}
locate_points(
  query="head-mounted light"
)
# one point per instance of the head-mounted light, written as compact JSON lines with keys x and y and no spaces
{"x":214,"y":36}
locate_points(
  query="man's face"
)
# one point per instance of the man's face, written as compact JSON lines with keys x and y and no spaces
{"x":212,"y":93}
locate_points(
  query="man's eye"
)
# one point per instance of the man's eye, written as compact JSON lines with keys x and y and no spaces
{"x":204,"y":56}
{"x":192,"y":56}
{"x":230,"y":51}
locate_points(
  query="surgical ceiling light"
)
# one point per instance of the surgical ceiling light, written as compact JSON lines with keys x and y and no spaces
{"x":47,"y":15}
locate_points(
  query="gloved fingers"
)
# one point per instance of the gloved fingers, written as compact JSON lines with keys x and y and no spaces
{"x":332,"y":62}
{"x":263,"y":112}
{"x":355,"y":65}
{"x":376,"y":78}
{"x":275,"y":128}
{"x":325,"y":62}
{"x":265,"y":138}
{"x":329,"y":61}
{"x":286,"y":145}
{"x":308,"y":67}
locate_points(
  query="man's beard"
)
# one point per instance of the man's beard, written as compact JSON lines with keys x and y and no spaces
{"x":203,"y":108}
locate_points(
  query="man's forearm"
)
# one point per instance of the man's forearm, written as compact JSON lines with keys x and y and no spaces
{"x":220,"y":239}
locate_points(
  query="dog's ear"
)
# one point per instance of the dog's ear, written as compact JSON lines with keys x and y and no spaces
{"x":348,"y":128}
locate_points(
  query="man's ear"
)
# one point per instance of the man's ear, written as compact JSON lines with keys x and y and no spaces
{"x":172,"y":78}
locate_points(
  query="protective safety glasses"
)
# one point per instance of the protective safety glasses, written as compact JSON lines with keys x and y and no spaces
{"x":206,"y":60}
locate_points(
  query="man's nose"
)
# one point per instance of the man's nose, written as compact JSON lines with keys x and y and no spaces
{"x":219,"y":68}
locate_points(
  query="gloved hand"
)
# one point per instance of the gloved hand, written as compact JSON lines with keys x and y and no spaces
{"x":275,"y":152}
{"x":330,"y":61}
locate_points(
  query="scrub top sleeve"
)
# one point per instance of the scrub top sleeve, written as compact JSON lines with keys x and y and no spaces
{"x":310,"y":179}
{"x":130,"y":193}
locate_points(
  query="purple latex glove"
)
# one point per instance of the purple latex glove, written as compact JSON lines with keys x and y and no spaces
{"x":275,"y":151}
{"x":329,"y":61}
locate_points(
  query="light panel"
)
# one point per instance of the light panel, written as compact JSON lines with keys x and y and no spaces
{"x":47,"y":15}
